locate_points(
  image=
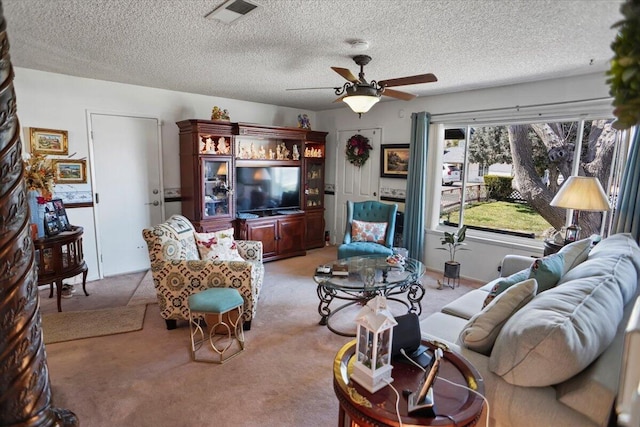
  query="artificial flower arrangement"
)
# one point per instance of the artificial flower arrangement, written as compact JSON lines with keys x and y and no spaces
{"x":357,"y":150}
{"x":39,"y":175}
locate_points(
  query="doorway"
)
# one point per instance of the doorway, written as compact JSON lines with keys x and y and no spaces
{"x":126,"y":155}
{"x":353,"y":183}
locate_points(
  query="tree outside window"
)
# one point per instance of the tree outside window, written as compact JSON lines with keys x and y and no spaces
{"x":529,"y":162}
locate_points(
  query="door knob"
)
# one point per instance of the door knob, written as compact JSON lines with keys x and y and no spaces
{"x":154,"y":203}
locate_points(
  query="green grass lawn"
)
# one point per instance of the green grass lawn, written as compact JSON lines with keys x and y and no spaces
{"x":503,"y":216}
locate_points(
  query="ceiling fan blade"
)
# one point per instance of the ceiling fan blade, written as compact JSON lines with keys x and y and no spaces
{"x":312,"y":88}
{"x":410,"y":80}
{"x":340,"y":98}
{"x":347,"y":74}
{"x":399,"y":95}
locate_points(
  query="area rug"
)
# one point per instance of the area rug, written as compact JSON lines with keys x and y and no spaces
{"x":74,"y":325}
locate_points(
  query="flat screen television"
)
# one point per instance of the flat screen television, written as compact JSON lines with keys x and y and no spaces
{"x":267,"y":189}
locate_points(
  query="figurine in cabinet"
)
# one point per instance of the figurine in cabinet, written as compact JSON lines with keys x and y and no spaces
{"x":272,"y":155}
{"x":223,"y":146}
{"x":296,"y":153}
{"x":262,"y":154}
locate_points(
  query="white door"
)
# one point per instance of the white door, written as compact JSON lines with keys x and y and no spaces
{"x":356,"y":184}
{"x":128,"y":191}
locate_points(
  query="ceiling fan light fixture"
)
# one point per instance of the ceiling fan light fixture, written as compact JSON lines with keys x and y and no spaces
{"x":360,"y":98}
{"x":361,"y":103}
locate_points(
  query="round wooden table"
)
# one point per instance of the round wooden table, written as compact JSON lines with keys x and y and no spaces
{"x":454,"y":406}
{"x":60,"y":257}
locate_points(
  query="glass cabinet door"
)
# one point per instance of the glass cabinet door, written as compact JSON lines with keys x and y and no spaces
{"x":217,"y":194}
{"x":314,"y":190}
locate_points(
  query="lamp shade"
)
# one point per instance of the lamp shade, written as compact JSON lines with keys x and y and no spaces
{"x":583,"y":193}
{"x":361,"y":103}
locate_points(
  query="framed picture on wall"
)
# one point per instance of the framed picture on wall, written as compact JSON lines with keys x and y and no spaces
{"x":70,"y":171}
{"x":394,"y":161}
{"x":49,"y":141}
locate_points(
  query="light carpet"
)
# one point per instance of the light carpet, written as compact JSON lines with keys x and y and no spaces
{"x":283,"y":378}
{"x":79,"y":324}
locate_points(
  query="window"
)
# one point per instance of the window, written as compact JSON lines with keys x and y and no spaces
{"x":511,"y":172}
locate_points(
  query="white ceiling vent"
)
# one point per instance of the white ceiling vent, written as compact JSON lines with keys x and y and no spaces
{"x":232,"y":10}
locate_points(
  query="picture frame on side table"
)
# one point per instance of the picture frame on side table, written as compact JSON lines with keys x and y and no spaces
{"x":70,"y":171}
{"x":51,"y":222}
{"x":58,"y":207}
{"x":49,"y":141}
{"x":394,"y":161}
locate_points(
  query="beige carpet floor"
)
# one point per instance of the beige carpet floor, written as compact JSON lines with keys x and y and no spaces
{"x":146,"y":377}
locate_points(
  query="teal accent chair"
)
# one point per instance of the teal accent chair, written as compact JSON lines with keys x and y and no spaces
{"x":370,"y":211}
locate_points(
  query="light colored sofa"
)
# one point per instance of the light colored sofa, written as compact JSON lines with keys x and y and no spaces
{"x":178,"y":271}
{"x":551,"y":357}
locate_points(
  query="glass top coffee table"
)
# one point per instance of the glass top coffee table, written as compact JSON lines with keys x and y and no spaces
{"x":365,"y":277}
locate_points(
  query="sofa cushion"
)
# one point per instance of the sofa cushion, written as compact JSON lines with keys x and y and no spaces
{"x":502,"y":285}
{"x":559,"y":333}
{"x":217,"y":246}
{"x":547,"y":271}
{"x":363,"y":231}
{"x":467,"y":305}
{"x":481,"y":331}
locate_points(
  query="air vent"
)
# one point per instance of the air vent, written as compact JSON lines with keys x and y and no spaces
{"x":232,"y":10}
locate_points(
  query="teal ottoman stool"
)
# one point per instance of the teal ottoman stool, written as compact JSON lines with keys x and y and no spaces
{"x":224,"y":332}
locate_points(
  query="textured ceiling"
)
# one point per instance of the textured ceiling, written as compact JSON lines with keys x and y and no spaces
{"x":292,"y":43}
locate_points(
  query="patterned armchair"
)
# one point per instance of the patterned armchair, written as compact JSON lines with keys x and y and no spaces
{"x":178,"y":271}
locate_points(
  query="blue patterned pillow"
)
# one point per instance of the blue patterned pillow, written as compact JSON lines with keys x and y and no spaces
{"x":547,"y":271}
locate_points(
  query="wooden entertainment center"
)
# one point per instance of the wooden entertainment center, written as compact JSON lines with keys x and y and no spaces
{"x":267,"y":182}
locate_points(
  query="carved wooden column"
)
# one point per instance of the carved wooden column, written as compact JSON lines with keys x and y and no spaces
{"x":25,"y":392}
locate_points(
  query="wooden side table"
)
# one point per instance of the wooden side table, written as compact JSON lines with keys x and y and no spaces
{"x":454,"y":406}
{"x":60,"y":257}
{"x":551,"y":247}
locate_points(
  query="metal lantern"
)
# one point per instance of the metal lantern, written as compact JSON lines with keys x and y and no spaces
{"x":372,"y":368}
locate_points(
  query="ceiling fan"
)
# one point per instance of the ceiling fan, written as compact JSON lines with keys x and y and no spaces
{"x":361,"y":95}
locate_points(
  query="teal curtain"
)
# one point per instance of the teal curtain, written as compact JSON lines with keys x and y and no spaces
{"x":627,"y":215}
{"x":413,"y":231}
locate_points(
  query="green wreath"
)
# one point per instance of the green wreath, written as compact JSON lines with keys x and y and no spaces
{"x":357,"y":150}
{"x":624,"y":74}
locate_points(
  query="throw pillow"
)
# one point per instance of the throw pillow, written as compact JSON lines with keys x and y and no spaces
{"x":575,"y":253}
{"x":362,"y":231}
{"x":547,"y":271}
{"x":504,"y":284}
{"x":481,"y":331}
{"x":217,"y":246}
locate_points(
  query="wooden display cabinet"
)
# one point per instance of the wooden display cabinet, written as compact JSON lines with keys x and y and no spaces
{"x":207,"y":173}
{"x":313,"y":198}
{"x":282,"y":236}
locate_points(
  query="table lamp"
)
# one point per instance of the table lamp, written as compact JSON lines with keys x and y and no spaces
{"x":580,"y":193}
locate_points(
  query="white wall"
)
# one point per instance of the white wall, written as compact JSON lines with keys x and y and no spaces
{"x":55,"y":101}
{"x":394,"y":117}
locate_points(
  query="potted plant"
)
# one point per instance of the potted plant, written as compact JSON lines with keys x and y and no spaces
{"x":454,"y":242}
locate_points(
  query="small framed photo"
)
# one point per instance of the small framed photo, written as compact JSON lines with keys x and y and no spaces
{"x":58,"y":207}
{"x":51,"y":223}
{"x":70,"y":171}
{"x":394,"y":161}
{"x":49,"y":141}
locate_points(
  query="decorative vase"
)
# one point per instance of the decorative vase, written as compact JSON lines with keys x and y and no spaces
{"x":36,"y":211}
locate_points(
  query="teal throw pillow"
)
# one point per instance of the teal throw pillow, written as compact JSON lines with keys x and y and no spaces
{"x":547,"y":271}
{"x":504,"y":284}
